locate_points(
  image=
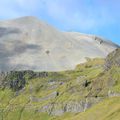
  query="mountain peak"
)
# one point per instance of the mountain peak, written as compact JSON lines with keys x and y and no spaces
{"x":25,"y":42}
{"x":27,"y":18}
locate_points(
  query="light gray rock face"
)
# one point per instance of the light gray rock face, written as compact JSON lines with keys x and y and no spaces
{"x":113,"y":94}
{"x":30,"y":44}
{"x":50,"y":96}
{"x":113,"y":59}
{"x":59,"y":109}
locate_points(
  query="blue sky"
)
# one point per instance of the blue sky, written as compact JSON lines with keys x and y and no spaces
{"x":100,"y":17}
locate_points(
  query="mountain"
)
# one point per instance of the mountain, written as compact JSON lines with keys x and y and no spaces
{"x":109,"y":108}
{"x":91,"y":91}
{"x":46,"y":74}
{"x":30,"y":44}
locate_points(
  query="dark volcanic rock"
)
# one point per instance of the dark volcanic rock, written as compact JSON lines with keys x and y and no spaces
{"x":16,"y":80}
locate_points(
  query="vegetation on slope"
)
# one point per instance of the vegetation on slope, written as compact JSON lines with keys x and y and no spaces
{"x":109,"y":109}
{"x":62,"y":95}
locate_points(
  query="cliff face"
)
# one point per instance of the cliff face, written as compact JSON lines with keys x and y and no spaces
{"x":113,"y":59}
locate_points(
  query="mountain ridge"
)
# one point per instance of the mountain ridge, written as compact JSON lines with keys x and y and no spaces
{"x":30,"y":44}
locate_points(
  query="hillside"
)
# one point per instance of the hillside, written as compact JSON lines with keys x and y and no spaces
{"x":30,"y":44}
{"x":46,"y":74}
{"x":88,"y":92}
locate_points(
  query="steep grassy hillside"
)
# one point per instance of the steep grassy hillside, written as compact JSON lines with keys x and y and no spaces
{"x":89,"y":92}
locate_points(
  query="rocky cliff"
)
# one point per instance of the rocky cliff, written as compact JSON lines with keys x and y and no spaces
{"x":113,"y":59}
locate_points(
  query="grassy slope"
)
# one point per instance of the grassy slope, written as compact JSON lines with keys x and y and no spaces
{"x":20,"y":108}
{"x":109,"y":109}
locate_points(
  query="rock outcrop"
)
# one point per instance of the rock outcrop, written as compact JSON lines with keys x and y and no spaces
{"x":59,"y":109}
{"x":16,"y":80}
{"x":113,"y":59}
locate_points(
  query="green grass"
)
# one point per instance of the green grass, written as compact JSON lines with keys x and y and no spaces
{"x":69,"y":85}
{"x":109,"y":109}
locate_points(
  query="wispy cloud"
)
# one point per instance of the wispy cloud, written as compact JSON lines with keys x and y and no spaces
{"x":79,"y":15}
{"x":85,"y":14}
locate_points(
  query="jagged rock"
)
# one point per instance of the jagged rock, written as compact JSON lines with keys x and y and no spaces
{"x":50,"y":96}
{"x":86,"y":83}
{"x":59,"y":109}
{"x":113,"y":59}
{"x":2,"y":78}
{"x":99,"y":40}
{"x":16,"y":80}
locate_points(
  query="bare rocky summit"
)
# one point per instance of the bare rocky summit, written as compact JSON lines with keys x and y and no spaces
{"x":30,"y":44}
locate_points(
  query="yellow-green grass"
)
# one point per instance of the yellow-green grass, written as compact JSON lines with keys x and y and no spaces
{"x":20,"y":107}
{"x":109,"y":109}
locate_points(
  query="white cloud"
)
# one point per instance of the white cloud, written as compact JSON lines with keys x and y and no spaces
{"x":79,"y":14}
{"x":73,"y":14}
